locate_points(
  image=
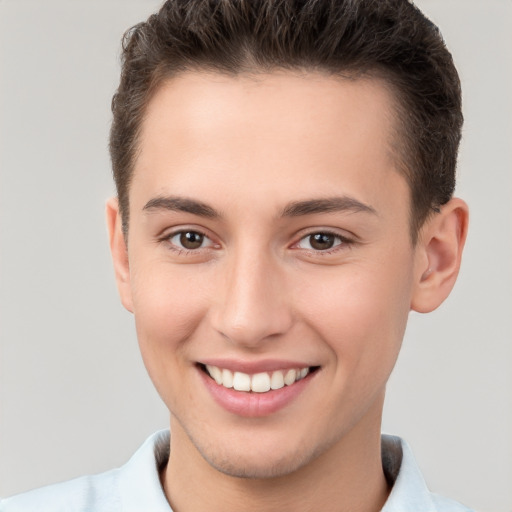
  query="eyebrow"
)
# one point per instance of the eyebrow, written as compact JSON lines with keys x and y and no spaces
{"x":293,"y":209}
{"x":182,"y":204}
{"x":327,"y":205}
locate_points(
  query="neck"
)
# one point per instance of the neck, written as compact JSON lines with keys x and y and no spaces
{"x":346,"y":477}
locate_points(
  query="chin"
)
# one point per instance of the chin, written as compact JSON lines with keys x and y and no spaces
{"x":257,"y":459}
{"x":259,"y":466}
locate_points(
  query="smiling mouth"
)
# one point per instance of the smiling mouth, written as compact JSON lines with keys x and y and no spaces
{"x":259,"y":382}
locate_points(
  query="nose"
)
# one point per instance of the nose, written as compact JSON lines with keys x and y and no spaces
{"x":254,"y":307}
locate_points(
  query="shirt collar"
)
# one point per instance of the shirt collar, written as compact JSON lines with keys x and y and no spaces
{"x":140,"y":488}
{"x":139,"y":479}
{"x":409,"y":490}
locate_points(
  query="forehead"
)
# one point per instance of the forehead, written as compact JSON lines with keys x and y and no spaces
{"x":201,"y":104}
{"x":302,"y":128}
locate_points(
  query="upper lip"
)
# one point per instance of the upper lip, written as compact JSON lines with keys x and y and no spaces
{"x":252,"y":367}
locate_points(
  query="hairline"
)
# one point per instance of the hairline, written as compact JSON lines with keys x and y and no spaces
{"x":398,"y":151}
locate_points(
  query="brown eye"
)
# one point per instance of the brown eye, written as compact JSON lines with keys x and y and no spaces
{"x":189,"y":240}
{"x":320,"y":241}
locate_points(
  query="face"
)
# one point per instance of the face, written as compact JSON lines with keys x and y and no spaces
{"x":270,"y":267}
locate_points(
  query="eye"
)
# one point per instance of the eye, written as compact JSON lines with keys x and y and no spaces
{"x":190,"y":240}
{"x":321,"y":241}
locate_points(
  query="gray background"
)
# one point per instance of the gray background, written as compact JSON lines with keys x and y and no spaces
{"x":74,"y":396}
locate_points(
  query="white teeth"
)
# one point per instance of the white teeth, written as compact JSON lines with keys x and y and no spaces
{"x":277,"y":380}
{"x":227,"y":378}
{"x":290,"y":376}
{"x":257,"y":383}
{"x":242,"y":381}
{"x":260,"y":383}
{"x":215,"y":372}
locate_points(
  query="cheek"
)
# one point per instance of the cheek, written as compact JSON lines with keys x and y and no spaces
{"x":361,"y":313}
{"x":168,"y":307}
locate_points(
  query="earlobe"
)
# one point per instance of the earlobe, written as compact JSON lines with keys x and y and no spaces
{"x":439,"y":254}
{"x":119,"y":252}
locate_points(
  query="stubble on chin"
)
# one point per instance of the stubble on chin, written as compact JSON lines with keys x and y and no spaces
{"x":254,"y":464}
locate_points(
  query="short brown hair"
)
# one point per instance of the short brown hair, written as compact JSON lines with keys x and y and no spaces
{"x":389,"y":39}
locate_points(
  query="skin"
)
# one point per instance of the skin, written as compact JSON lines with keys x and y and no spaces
{"x":249,"y":148}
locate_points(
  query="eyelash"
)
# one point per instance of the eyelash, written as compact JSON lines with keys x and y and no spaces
{"x":343,"y":242}
{"x":167,"y":239}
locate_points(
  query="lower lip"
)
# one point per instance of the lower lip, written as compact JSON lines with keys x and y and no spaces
{"x":250,"y":404}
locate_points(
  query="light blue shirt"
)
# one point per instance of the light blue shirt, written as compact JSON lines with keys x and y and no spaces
{"x":135,"y":487}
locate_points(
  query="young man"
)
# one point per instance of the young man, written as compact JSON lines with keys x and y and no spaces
{"x":285,"y":173}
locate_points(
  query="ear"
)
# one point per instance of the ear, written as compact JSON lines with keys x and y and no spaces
{"x":439,"y":253}
{"x":119,"y":252}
